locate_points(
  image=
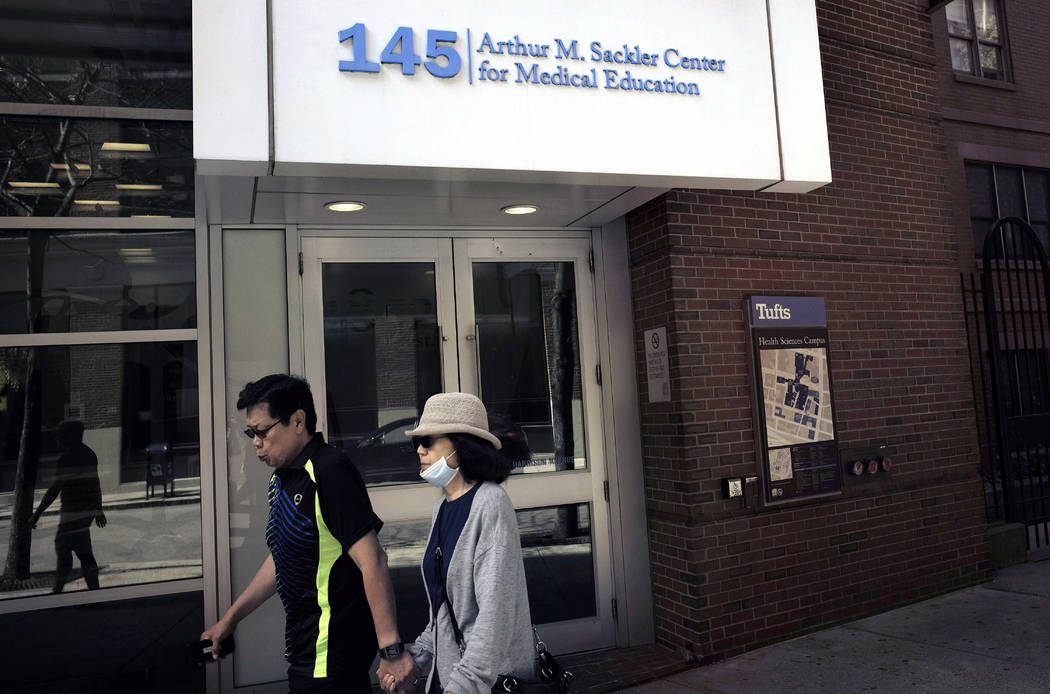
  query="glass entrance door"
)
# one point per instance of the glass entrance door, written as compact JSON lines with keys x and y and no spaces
{"x":389,"y":322}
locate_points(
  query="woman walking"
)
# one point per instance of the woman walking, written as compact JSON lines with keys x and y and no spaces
{"x":480,"y":625}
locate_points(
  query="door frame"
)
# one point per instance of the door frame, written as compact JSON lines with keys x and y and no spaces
{"x":453,"y":258}
{"x":621,"y":431}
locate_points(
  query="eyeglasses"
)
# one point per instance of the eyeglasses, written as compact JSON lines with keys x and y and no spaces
{"x":424,"y":441}
{"x":252,"y":432}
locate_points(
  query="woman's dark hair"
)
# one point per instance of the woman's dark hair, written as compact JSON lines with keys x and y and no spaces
{"x":283,"y":395}
{"x":479,"y":461}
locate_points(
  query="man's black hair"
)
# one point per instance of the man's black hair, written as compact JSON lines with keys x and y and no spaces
{"x":478,"y":460}
{"x":283,"y":395}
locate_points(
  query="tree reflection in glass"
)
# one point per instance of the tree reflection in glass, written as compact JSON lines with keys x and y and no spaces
{"x":69,"y":167}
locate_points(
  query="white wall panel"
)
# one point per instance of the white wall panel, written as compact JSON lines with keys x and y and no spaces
{"x":231,"y":124}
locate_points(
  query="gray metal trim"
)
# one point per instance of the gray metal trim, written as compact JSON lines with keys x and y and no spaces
{"x":392,"y":231}
{"x":112,"y":112}
{"x":623,"y":445}
{"x":107,"y":337}
{"x":107,"y":223}
{"x":294,"y":292}
{"x":86,"y":597}
{"x":206,"y":417}
{"x":222,"y":593}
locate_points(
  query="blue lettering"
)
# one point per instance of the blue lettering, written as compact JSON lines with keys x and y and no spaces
{"x":596,"y":51}
{"x":610,"y":79}
{"x":487,"y":43}
{"x":530,"y":75}
{"x":563,"y":52}
{"x":667,"y":58}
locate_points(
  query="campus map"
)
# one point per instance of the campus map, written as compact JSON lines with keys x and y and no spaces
{"x":797,"y":401}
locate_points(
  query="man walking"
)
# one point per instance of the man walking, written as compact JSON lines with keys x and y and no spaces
{"x":77,"y":486}
{"x":325,"y":560}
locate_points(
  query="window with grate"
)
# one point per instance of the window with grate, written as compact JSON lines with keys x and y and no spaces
{"x":998,"y":191}
{"x":977,"y":38}
{"x":1027,"y":381}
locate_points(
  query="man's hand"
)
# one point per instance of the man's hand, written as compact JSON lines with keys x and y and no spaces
{"x":217,"y":633}
{"x":100,"y":519}
{"x":398,"y":675}
{"x":262,"y":586}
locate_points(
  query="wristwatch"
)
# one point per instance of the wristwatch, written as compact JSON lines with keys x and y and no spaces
{"x":392,"y":652}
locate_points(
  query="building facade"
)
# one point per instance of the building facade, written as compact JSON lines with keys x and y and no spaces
{"x":342,"y":209}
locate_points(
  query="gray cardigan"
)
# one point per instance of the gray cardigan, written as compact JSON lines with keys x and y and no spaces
{"x":486,"y":585}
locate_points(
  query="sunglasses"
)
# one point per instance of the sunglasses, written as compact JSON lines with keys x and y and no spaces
{"x":252,"y":432}
{"x":424,"y":441}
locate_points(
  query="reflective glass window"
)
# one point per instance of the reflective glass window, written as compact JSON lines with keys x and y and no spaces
{"x":79,"y":167}
{"x":529,"y":361}
{"x":96,"y":53}
{"x":383,"y":344}
{"x":1007,"y":191}
{"x":88,"y":280}
{"x":99,"y":466}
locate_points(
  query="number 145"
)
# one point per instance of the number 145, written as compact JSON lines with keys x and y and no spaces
{"x":401,"y":49}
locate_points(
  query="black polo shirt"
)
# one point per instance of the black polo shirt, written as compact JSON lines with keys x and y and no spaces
{"x":318,"y":509}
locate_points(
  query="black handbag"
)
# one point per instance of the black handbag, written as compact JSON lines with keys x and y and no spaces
{"x":553,"y":678}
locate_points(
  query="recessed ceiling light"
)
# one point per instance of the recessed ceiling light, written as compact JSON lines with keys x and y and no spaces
{"x":519,"y":209}
{"x":151,"y":216}
{"x":65,"y":167}
{"x":32,"y":184}
{"x":125,"y":147}
{"x":346,"y":206}
{"x":139,"y":186}
{"x":103,"y":203}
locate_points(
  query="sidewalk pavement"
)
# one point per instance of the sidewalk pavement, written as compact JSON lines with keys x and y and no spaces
{"x":990,"y":638}
{"x":128,"y":496}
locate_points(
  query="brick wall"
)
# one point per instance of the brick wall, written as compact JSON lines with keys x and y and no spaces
{"x":879,"y":245}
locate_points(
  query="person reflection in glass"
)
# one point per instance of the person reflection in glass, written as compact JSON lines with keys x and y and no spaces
{"x":77,"y":485}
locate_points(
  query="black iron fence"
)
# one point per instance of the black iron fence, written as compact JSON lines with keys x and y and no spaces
{"x":1008,"y":330}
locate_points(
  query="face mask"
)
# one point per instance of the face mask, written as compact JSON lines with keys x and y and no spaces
{"x":439,"y":474}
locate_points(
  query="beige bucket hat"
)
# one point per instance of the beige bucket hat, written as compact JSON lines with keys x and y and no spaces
{"x":454,"y":413}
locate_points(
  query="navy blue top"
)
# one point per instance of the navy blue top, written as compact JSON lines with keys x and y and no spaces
{"x":451,"y":518}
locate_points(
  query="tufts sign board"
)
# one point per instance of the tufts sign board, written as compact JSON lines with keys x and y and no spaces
{"x":704,"y":93}
{"x":795,"y":432}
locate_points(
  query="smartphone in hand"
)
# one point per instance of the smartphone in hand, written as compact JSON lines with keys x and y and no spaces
{"x":201,"y":651}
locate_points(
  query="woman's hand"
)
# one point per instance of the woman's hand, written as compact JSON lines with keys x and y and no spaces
{"x":401,"y":677}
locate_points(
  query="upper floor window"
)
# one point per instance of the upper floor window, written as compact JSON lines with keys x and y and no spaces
{"x":998,"y":191}
{"x":977,"y":38}
{"x":96,"y":53}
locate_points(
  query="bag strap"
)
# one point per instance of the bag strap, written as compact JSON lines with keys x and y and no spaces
{"x":448,"y":603}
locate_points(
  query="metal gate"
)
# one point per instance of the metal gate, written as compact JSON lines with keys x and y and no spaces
{"x":1009,"y":340}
